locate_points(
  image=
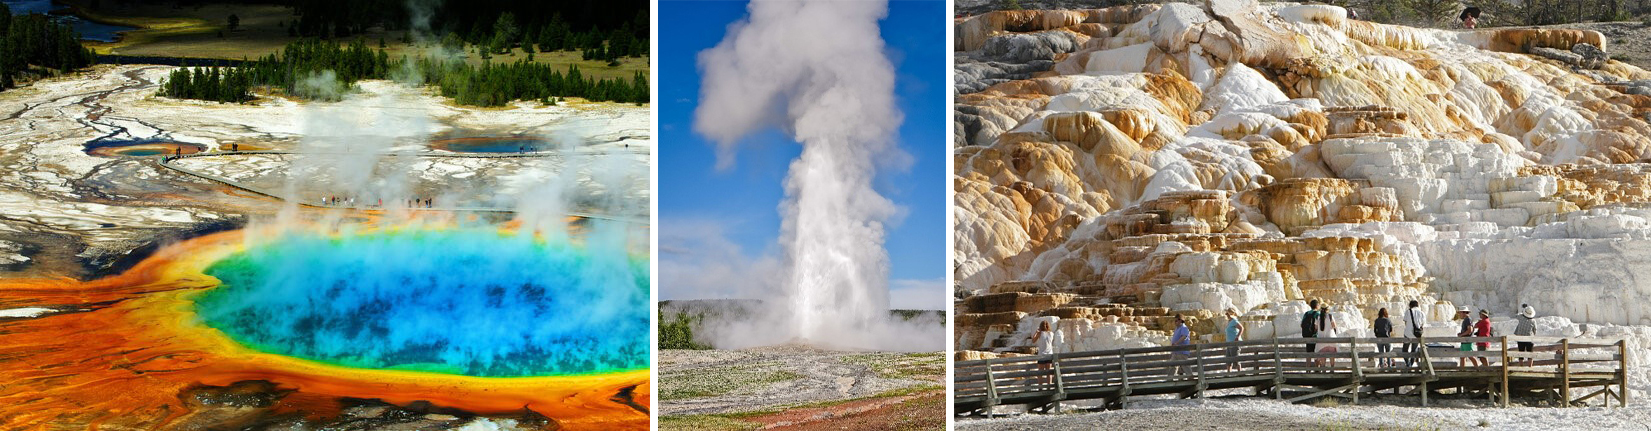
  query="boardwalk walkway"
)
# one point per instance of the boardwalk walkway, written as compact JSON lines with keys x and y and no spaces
{"x":1557,"y":369}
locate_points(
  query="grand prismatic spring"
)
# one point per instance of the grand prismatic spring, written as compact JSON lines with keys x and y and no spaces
{"x":320,"y":264}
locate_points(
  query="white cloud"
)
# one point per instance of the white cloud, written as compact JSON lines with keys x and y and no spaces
{"x":907,"y":294}
{"x":697,"y":261}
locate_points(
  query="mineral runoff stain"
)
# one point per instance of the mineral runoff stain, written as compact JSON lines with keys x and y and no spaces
{"x":129,"y":360}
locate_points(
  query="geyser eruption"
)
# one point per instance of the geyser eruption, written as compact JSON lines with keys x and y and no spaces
{"x":815,"y":69}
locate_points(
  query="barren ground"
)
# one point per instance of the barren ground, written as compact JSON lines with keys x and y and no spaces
{"x":795,"y":387}
{"x":1381,"y":414}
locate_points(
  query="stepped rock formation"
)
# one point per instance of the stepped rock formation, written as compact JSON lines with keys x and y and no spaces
{"x":1116,"y":167}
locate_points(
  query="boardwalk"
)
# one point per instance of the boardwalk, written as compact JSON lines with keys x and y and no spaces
{"x":1564,"y":371}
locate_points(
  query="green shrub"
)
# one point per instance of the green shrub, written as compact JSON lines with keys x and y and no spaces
{"x":678,"y":332}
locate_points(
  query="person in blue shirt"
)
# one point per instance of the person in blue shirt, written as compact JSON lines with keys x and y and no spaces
{"x":1235,"y":332}
{"x":1181,"y":337}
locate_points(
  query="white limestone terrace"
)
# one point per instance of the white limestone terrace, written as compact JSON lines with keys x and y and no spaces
{"x":1194,"y":157}
{"x":64,"y":212}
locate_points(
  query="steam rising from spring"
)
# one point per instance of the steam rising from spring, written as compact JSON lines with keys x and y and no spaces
{"x":816,"y":69}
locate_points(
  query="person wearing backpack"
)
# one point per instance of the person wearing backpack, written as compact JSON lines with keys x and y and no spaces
{"x":1526,"y":328}
{"x":1309,"y":324}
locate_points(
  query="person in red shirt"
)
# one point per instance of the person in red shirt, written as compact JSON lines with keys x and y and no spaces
{"x":1482,"y":329}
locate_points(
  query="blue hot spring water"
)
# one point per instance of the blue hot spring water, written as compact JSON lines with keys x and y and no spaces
{"x":471,"y":302}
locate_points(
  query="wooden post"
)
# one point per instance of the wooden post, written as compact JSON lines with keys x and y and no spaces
{"x":991,"y":385}
{"x":1565,"y":371}
{"x":1200,"y":353}
{"x":1504,"y":371}
{"x":1427,"y":363}
{"x":1622,"y":373}
{"x":1123,"y":365}
{"x":1060,"y":388}
{"x":1358,"y":369}
{"x":1278,"y":370}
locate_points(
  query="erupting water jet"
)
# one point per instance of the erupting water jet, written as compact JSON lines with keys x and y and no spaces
{"x":815,"y":69}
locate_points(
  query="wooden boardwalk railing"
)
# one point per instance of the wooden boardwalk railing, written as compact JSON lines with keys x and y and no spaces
{"x":1554,"y":368}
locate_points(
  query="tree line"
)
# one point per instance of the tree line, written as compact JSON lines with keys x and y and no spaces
{"x":1444,"y":13}
{"x":33,"y":45}
{"x":498,"y":84}
{"x":507,"y":34}
{"x":492,"y":26}
{"x":299,"y":67}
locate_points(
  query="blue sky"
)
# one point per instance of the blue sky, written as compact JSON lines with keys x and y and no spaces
{"x":719,"y":229}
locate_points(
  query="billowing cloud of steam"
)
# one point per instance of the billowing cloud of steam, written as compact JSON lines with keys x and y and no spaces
{"x":459,"y":298}
{"x":816,"y":69}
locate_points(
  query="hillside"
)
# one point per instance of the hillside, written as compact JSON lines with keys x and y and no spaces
{"x":1118,"y":166}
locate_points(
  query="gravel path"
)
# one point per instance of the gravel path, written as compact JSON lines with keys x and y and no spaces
{"x":767,"y":378}
{"x":1257,"y":414}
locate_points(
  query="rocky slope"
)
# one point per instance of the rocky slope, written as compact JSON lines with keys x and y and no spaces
{"x":1117,"y":166}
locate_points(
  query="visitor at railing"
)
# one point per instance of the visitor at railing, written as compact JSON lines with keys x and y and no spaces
{"x":1309,"y":324}
{"x":1047,"y":342}
{"x":1235,"y":332}
{"x":1327,"y":329}
{"x":1181,"y":337}
{"x":1415,"y":320}
{"x":1383,"y":329}
{"x":1482,"y":329}
{"x":1466,"y":331}
{"x":1526,"y":328}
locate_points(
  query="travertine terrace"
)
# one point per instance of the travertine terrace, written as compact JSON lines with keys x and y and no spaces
{"x":1117,"y":166}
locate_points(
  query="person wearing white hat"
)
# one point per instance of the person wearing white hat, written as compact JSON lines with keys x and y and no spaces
{"x":1526,"y":328}
{"x":1467,"y":331}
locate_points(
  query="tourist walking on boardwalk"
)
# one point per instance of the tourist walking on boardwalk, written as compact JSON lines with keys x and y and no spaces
{"x":1383,"y":329}
{"x":1465,"y":331}
{"x":1181,"y":337}
{"x":1235,"y":332}
{"x":1526,"y":328}
{"x":1482,"y":329}
{"x":1415,"y":320}
{"x":1047,"y":343}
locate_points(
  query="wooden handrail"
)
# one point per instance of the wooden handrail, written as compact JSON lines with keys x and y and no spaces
{"x":1284,"y":341}
{"x":1019,"y":377}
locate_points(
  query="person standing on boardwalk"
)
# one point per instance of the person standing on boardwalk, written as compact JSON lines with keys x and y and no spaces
{"x":1309,"y":324}
{"x":1047,"y":343}
{"x":1415,"y":320}
{"x":1327,"y":329}
{"x":1235,"y":332}
{"x":1526,"y":328}
{"x":1482,"y":329}
{"x":1383,"y":329}
{"x":1465,"y":331}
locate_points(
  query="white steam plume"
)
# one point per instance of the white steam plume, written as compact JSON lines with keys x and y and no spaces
{"x":816,"y":68}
